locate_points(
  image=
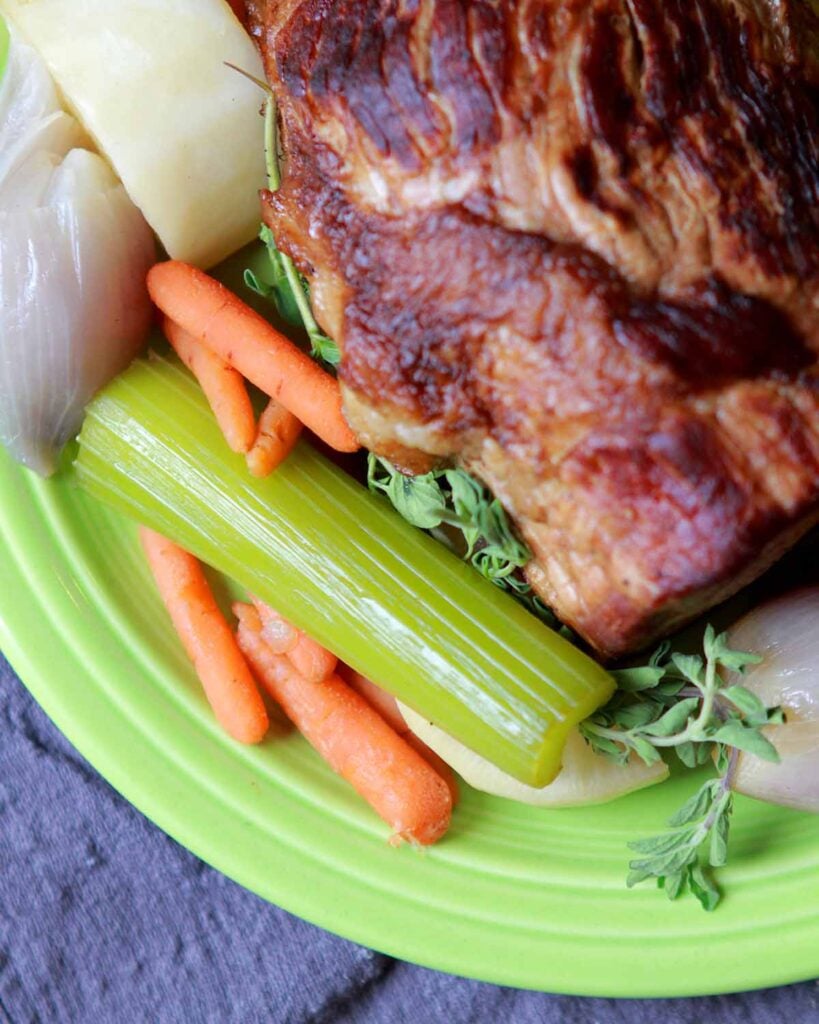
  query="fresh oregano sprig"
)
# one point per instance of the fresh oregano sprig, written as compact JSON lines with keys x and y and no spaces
{"x":453,"y":498}
{"x":451,"y":501}
{"x":287,"y":288}
{"x":697,"y":840}
{"x":688,"y":704}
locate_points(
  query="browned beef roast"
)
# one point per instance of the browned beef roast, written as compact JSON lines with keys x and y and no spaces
{"x":572,"y":246}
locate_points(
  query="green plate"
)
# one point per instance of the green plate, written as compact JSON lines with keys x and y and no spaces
{"x":513,"y":894}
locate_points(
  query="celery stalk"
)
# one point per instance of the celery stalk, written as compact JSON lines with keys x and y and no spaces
{"x":342,"y":565}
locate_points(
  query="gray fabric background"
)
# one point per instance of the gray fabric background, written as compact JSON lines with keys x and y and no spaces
{"x":105,"y":920}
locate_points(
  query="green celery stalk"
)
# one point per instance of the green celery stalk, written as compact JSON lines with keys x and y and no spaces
{"x":341,"y":564}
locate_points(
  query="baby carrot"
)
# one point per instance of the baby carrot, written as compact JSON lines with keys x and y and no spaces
{"x":354,"y":740}
{"x":224,"y":388}
{"x":276,"y":436}
{"x":207,"y":638}
{"x":435,"y":762}
{"x":245,"y":340}
{"x":308,"y":658}
{"x":387,"y":706}
{"x":384,"y":703}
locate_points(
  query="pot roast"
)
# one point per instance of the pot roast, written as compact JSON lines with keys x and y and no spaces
{"x":572,"y":246}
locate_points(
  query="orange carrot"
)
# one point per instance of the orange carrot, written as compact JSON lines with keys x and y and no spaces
{"x":245,"y":340}
{"x":207,"y":638}
{"x":387,"y":706}
{"x":224,"y":388}
{"x":354,"y":740}
{"x":308,"y":657}
{"x":436,"y":762}
{"x":276,"y":437}
{"x":384,"y":703}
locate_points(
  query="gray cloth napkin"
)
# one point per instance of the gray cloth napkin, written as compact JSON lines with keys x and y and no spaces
{"x":105,"y":920}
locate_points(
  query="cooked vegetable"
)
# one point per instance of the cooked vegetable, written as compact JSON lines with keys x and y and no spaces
{"x":224,"y":388}
{"x":585,"y":777}
{"x":276,"y":436}
{"x":207,"y":638}
{"x":213,"y":314}
{"x":35,"y":132}
{"x":74,"y":252}
{"x":312,"y":661}
{"x":387,"y":706}
{"x":355,"y":741}
{"x":148,"y":81}
{"x":696,"y":707}
{"x":384,"y":703}
{"x":384,"y":597}
{"x":785,"y":634}
{"x":432,"y":759}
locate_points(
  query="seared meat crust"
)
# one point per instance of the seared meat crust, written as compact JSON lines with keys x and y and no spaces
{"x":572,"y":245}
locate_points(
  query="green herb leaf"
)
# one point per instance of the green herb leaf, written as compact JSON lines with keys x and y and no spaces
{"x":723,"y":759}
{"x":690,"y":666}
{"x":685,"y":703}
{"x":717,"y":650}
{"x":635,"y":877}
{"x":606,"y":747}
{"x":703,"y":888}
{"x":718,"y":850}
{"x":735,"y":733}
{"x":418,"y":499}
{"x":699,"y":828}
{"x":277,"y":287}
{"x":637,"y":715}
{"x":675,"y":884}
{"x":694,"y":808}
{"x":287,"y":288}
{"x":752,"y":708}
{"x":645,"y":750}
{"x":637,"y":680}
{"x":675,"y":719}
{"x":453,"y":498}
{"x":687,"y":753}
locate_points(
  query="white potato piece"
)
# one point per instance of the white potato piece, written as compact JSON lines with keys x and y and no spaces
{"x":585,"y":778}
{"x":785,"y":632}
{"x":147,"y":79}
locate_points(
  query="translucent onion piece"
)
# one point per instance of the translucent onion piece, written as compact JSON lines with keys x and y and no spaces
{"x":786,"y":633}
{"x":585,"y":777}
{"x":74,"y":252}
{"x":26,"y":185}
{"x":32,"y":122}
